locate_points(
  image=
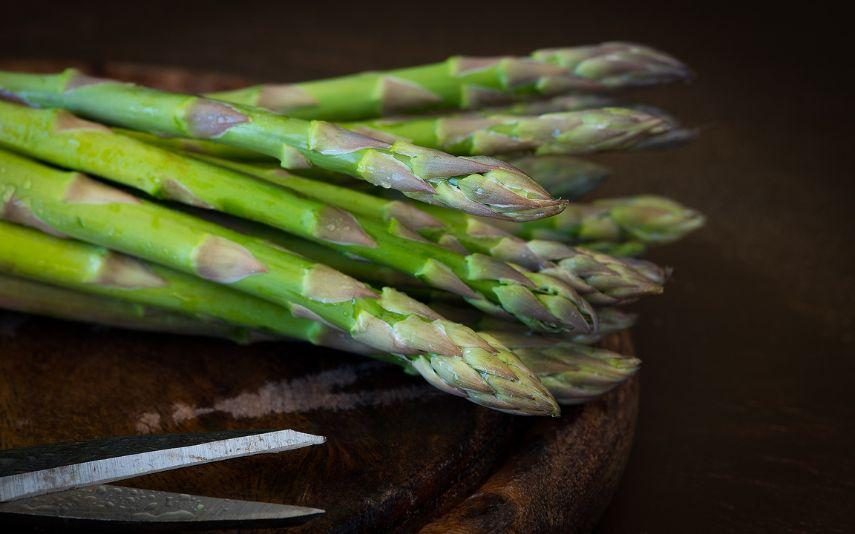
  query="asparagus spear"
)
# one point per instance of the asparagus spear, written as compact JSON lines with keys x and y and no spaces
{"x":623,"y":249}
{"x":483,"y":187}
{"x":600,"y":279}
{"x":565,"y":366}
{"x":612,"y":320}
{"x":650,"y":270}
{"x":559,"y":174}
{"x":563,"y":176}
{"x":196,"y":146}
{"x":350,"y":264}
{"x":574,"y":373}
{"x":484,"y":372}
{"x":676,"y":135}
{"x":36,"y":298}
{"x":572,"y":102}
{"x":102,"y":273}
{"x":402,"y":217}
{"x":466,"y":82}
{"x":575,"y":132}
{"x":73,"y":204}
{"x":651,"y":220}
{"x":60,"y":138}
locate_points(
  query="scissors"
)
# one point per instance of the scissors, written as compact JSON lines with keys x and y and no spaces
{"x":69,"y":481}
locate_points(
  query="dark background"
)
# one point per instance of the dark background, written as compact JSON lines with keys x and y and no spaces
{"x":747,"y":412}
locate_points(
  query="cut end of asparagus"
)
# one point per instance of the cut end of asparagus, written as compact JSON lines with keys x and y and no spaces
{"x":616,"y":64}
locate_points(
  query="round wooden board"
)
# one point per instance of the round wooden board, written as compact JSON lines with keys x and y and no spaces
{"x":399,"y":454}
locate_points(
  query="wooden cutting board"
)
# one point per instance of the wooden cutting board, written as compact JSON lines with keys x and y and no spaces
{"x":399,"y":454}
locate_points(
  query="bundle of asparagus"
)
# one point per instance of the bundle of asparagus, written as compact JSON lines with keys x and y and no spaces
{"x":245,"y":215}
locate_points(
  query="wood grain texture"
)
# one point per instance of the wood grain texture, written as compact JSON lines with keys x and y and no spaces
{"x":400,"y":455}
{"x":559,"y":477}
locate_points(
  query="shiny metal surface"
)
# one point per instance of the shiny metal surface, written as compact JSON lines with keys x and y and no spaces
{"x":106,"y":503}
{"x":46,"y":469}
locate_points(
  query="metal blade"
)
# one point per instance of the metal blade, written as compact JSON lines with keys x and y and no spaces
{"x":129,"y":505}
{"x":39,"y":470}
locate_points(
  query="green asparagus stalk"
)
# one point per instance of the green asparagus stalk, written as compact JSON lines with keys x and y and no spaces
{"x":676,"y":135}
{"x":567,"y":367}
{"x":610,"y":320}
{"x":558,"y":104}
{"x":625,"y":249}
{"x":403,"y":218}
{"x":673,"y":138}
{"x":600,"y":279}
{"x":58,"y":137}
{"x":653,"y":272}
{"x":573,"y":102}
{"x":485,"y":373}
{"x":102,"y":273}
{"x":563,"y":176}
{"x":613,"y":320}
{"x":479,"y":186}
{"x":574,"y":373}
{"x":27,"y":296}
{"x":200,"y":148}
{"x":466,"y":82}
{"x":351,"y":264}
{"x":575,"y":132}
{"x":651,"y":220}
{"x":196,"y":146}
{"x":557,"y":173}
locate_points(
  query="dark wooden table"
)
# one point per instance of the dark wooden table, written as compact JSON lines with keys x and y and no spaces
{"x":399,"y":455}
{"x":746,"y":406}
